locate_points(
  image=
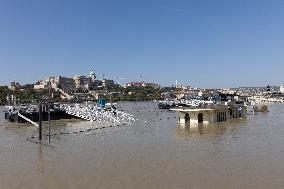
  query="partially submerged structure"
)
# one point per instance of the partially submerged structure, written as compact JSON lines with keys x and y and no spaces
{"x":211,"y":113}
{"x":99,"y":112}
{"x":31,"y":113}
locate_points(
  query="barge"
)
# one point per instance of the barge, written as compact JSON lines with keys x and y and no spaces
{"x":31,"y":112}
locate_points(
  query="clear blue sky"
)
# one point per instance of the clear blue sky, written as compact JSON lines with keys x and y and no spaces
{"x":205,"y":43}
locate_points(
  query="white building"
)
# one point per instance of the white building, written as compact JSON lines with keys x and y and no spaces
{"x":282,"y":89}
{"x":211,"y":114}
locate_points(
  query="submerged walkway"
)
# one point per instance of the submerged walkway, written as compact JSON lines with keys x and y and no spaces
{"x":93,"y":112}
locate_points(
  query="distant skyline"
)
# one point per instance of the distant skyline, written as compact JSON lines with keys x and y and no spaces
{"x":202,"y":43}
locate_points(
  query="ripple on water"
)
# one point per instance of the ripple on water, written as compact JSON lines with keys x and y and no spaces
{"x":158,"y":153}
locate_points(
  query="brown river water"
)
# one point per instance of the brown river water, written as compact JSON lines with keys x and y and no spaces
{"x":155,"y":152}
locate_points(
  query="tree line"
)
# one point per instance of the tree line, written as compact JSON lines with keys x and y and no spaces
{"x":118,"y":93}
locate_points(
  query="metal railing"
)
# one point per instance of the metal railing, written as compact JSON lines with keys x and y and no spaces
{"x":96,"y":113}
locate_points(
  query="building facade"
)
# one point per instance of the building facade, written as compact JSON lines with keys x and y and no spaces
{"x":216,"y":113}
{"x":82,"y":82}
{"x":78,"y":82}
{"x":14,"y":86}
{"x":58,"y":82}
{"x":107,"y":83}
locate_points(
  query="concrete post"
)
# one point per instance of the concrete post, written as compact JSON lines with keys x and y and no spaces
{"x":40,"y":121}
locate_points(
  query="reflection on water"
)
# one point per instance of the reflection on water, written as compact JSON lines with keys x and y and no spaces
{"x":190,"y":130}
{"x":154,"y":152}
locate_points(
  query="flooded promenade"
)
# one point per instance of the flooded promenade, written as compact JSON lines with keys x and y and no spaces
{"x":155,"y":152}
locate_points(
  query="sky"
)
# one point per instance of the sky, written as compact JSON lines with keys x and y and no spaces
{"x":202,"y":43}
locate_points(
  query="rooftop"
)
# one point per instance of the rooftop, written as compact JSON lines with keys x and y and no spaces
{"x":203,"y":108}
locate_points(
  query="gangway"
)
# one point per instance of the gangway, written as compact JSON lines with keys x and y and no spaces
{"x":28,"y":120}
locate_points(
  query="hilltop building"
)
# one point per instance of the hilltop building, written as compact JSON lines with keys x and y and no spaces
{"x":14,"y":86}
{"x":82,"y":82}
{"x":135,"y":84}
{"x":78,"y":82}
{"x":58,"y":82}
{"x":143,"y":84}
{"x":107,"y":83}
{"x":92,"y":76}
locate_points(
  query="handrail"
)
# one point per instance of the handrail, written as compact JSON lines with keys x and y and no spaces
{"x":96,"y":113}
{"x":28,"y":120}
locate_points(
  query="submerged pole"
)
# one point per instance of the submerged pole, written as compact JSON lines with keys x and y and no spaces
{"x":48,"y":123}
{"x":40,"y":121}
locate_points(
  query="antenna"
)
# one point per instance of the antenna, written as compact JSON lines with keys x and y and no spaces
{"x":140,"y":76}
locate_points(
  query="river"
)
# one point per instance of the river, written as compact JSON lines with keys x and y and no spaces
{"x":154,"y":152}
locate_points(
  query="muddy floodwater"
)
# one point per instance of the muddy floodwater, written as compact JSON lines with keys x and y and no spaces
{"x":154,"y":152}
